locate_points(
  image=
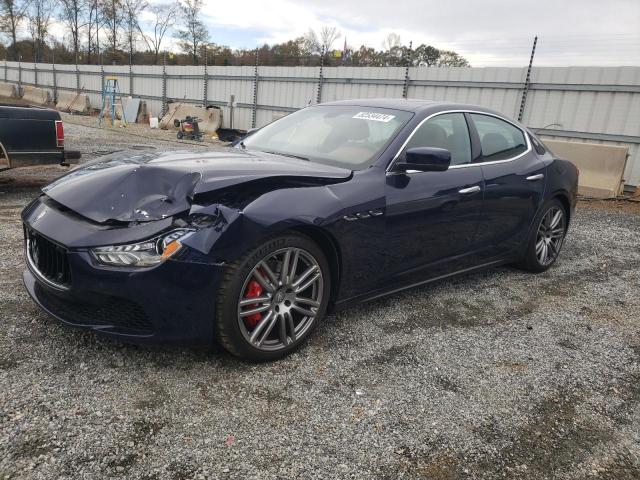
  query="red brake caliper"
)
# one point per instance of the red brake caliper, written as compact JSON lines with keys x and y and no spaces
{"x":254,"y":290}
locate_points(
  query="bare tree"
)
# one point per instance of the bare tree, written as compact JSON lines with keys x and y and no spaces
{"x":72,"y":13}
{"x":39,"y":15}
{"x":328,"y":36}
{"x":12,"y":13}
{"x":112,"y":12}
{"x":164,"y":18}
{"x":195,"y":32}
{"x":391,"y":42}
{"x":93,"y":29}
{"x":132,"y":10}
{"x":310,"y":42}
{"x":393,"y":51}
{"x":322,"y":41}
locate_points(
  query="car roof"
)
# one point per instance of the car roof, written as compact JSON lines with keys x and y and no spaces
{"x":412,"y":105}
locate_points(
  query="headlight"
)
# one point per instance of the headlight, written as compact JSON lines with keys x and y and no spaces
{"x":143,"y":254}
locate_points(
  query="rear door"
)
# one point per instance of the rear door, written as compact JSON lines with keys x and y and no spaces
{"x":514,"y":179}
{"x":432,"y":217}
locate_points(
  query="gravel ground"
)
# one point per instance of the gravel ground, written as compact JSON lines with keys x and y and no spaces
{"x":501,"y":374}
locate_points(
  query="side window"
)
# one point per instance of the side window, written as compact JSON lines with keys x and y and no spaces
{"x":448,"y":131}
{"x":499,"y":139}
{"x":537,"y":144}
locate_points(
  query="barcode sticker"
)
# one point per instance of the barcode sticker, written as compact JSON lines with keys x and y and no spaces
{"x":374,"y":116}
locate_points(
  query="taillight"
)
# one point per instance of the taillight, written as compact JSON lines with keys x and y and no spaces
{"x":59,"y":134}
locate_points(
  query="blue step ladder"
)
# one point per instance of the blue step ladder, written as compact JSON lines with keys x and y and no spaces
{"x":111,"y":92}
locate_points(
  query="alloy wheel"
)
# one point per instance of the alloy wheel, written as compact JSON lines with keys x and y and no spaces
{"x":280,"y":299}
{"x":550,"y":235}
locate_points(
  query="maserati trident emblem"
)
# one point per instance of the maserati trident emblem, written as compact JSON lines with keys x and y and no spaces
{"x":34,"y":252}
{"x":279,"y":296}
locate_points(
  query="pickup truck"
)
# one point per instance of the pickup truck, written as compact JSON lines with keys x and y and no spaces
{"x":31,"y":136}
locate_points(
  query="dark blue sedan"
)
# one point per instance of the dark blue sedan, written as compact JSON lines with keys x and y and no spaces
{"x":334,"y":204}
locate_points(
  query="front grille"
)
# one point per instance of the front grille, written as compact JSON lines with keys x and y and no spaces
{"x":49,"y":259}
{"x":105,"y":311}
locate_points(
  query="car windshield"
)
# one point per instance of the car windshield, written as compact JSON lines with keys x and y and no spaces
{"x":344,"y":136}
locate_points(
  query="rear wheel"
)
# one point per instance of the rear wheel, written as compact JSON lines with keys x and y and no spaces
{"x":547,"y":238}
{"x":179,"y":135}
{"x":272,"y":298}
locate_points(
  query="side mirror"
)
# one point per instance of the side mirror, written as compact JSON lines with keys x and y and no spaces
{"x":425,"y":159}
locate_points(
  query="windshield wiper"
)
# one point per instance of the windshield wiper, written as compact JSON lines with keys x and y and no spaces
{"x":299,"y":157}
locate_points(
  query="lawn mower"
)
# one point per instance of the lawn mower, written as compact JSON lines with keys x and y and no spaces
{"x":188,"y":128}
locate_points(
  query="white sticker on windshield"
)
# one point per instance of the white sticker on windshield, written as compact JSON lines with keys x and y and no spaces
{"x":374,"y":116}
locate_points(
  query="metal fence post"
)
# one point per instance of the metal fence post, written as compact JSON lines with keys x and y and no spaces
{"x":101,"y":79}
{"x":19,"y":74}
{"x":232,"y":104}
{"x":405,"y":88}
{"x":164,"y":85}
{"x":5,"y":69}
{"x":77,"y":78}
{"x":35,"y":73}
{"x":320,"y":77}
{"x":130,"y":80}
{"x":205,"y":80}
{"x":527,"y":81}
{"x":55,"y":82}
{"x":254,"y":110}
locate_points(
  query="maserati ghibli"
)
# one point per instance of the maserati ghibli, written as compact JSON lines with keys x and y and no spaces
{"x":250,"y":245}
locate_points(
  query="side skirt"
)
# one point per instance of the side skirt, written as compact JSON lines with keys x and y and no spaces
{"x":367,"y":297}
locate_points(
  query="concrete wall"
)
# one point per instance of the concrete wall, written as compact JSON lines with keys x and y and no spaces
{"x":601,"y":166}
{"x":584,"y":104}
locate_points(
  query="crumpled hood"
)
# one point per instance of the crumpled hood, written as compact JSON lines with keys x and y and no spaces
{"x":134,"y":186}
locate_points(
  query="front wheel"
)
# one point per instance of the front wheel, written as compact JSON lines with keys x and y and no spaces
{"x":547,"y":238}
{"x":272,"y":298}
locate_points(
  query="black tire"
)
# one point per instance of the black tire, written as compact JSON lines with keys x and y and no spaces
{"x":228,"y":330}
{"x":531,"y":260}
{"x":179,"y":135}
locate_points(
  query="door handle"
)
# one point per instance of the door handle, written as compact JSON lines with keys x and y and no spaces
{"x":533,"y":178}
{"x":470,"y":190}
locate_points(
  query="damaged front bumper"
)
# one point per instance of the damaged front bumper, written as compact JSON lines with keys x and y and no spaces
{"x":173,"y":302}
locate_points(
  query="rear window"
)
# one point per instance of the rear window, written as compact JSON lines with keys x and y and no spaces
{"x":538,"y":145}
{"x":500,"y":140}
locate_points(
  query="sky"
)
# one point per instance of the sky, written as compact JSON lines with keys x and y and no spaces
{"x":487,"y":32}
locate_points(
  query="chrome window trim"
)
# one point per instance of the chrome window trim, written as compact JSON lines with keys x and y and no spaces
{"x":463,"y":165}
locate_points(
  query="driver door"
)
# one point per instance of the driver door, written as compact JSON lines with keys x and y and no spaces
{"x":432,"y":217}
